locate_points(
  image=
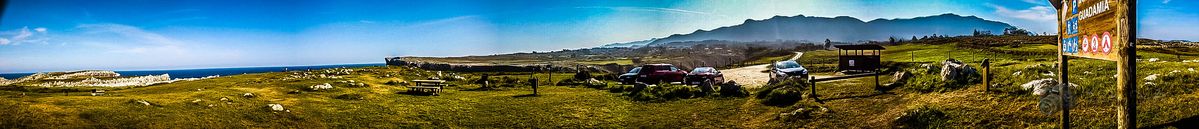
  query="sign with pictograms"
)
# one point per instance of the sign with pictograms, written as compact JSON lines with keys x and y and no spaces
{"x":1094,"y":29}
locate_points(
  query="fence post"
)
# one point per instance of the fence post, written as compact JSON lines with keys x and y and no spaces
{"x":986,"y":75}
{"x":813,"y":88}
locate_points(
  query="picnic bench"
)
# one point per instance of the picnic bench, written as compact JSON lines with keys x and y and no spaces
{"x":427,"y":86}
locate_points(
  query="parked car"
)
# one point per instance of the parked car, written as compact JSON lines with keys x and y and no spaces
{"x":787,"y":70}
{"x":630,"y":77}
{"x":658,"y":73}
{"x":701,"y":74}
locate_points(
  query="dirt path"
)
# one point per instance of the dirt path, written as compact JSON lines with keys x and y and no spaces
{"x":752,"y":76}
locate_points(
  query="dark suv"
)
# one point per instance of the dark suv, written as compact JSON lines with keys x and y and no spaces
{"x":701,"y":74}
{"x":657,"y":73}
{"x":787,"y":70}
{"x":630,"y":77}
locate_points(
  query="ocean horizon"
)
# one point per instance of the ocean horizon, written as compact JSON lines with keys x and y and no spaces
{"x":204,"y":72}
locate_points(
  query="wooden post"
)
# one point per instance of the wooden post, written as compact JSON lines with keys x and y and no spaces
{"x":813,"y":88}
{"x":1064,"y":88}
{"x":986,"y":75}
{"x":534,"y":80}
{"x":551,"y":74}
{"x":1127,"y":69}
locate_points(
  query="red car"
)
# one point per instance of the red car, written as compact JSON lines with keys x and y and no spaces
{"x":657,"y":73}
{"x":701,"y":74}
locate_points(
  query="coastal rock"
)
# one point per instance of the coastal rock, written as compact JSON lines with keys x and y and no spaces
{"x":117,"y":82}
{"x":86,"y":74}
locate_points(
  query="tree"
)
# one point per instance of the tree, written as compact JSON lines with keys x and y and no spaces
{"x":1013,"y":31}
{"x":913,"y":39}
{"x":828,"y":43}
{"x":891,"y":40}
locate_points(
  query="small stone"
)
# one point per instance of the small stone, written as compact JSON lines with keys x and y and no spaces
{"x":197,"y":101}
{"x":275,"y":107}
{"x":224,"y":99}
{"x":143,"y":102}
{"x":248,"y":95}
{"x":1151,"y":77}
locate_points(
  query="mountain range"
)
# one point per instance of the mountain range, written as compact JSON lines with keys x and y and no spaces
{"x":839,"y":29}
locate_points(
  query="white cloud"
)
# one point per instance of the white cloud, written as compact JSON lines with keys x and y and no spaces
{"x":1035,"y":13}
{"x":143,"y":42}
{"x":23,"y":35}
{"x":1165,"y":1}
{"x":1037,"y":2}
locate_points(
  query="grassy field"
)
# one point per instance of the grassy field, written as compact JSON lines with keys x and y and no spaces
{"x":853,"y":103}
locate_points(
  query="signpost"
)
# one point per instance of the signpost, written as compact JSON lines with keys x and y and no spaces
{"x":1104,"y":30}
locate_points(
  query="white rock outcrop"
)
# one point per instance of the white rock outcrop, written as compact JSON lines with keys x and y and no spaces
{"x":1043,"y":86}
{"x":955,"y":70}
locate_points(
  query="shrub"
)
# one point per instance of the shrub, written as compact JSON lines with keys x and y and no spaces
{"x":923,"y":82}
{"x":921,"y":117}
{"x":619,"y":88}
{"x":733,"y":90}
{"x":783,"y":93}
{"x":664,"y":92}
{"x":394,"y":83}
{"x":350,"y":97}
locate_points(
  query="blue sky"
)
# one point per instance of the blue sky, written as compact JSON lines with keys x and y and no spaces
{"x":58,"y":35}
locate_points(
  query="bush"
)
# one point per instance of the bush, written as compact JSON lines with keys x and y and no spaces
{"x":783,"y":93}
{"x":733,"y":90}
{"x":921,"y":117}
{"x":619,"y":88}
{"x":395,"y":83}
{"x":665,"y":92}
{"x":350,"y":97}
{"x":932,"y":83}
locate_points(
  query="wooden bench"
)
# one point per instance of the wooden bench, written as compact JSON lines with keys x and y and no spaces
{"x":427,"y":86}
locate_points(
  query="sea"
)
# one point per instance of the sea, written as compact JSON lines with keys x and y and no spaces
{"x":204,"y":72}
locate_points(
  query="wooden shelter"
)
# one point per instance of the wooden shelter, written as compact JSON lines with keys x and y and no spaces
{"x":864,"y":57}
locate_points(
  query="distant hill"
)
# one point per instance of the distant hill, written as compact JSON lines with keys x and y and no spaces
{"x":629,"y":44}
{"x":840,"y":29}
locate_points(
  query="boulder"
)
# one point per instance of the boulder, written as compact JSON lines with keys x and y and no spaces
{"x":275,"y":107}
{"x":593,"y":81}
{"x":956,"y":70}
{"x":1151,"y":77}
{"x":900,"y":78}
{"x":320,"y":87}
{"x":930,"y":69}
{"x":1043,"y":86}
